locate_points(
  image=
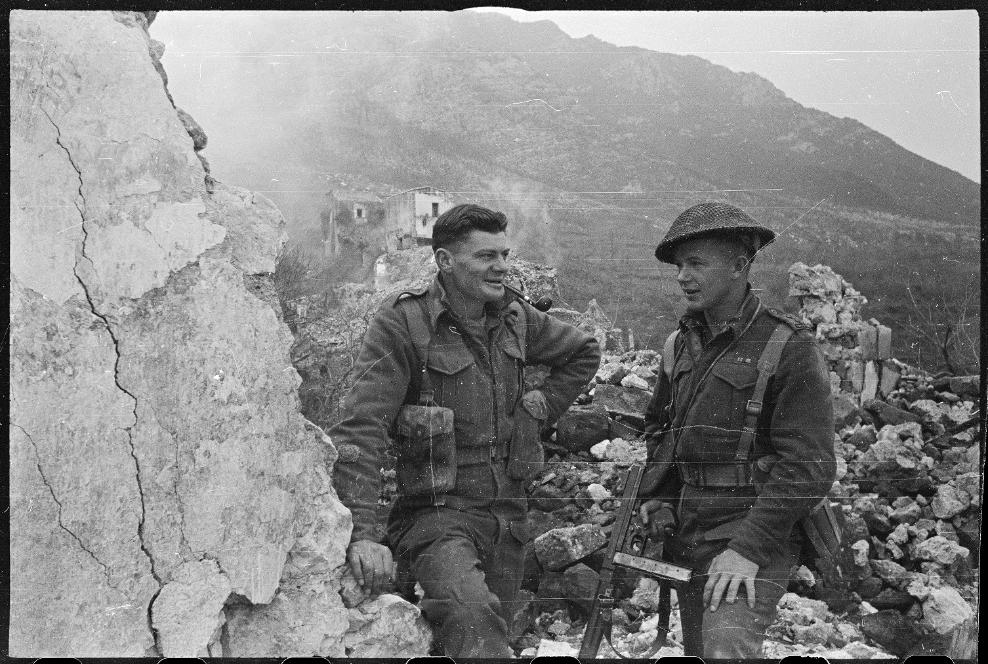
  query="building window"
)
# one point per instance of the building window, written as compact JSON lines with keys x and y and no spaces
{"x":435,"y":209}
{"x":360,"y":212}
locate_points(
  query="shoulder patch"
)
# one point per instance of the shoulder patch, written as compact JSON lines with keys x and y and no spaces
{"x":793,"y":321}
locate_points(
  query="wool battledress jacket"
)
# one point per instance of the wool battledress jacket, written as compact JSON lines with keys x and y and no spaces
{"x":795,"y":425}
{"x":478,"y":374}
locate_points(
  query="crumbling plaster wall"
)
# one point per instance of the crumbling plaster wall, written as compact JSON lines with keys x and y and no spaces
{"x":166,"y":495}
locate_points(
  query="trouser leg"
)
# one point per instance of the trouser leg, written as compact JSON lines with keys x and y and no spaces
{"x":735,"y":631}
{"x":505,"y":570}
{"x":457,"y":560}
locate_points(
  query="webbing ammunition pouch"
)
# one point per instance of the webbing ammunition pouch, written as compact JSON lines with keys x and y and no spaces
{"x":526,"y":456}
{"x":824,"y":531}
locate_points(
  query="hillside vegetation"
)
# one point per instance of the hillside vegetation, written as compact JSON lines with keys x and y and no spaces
{"x":592,"y":149}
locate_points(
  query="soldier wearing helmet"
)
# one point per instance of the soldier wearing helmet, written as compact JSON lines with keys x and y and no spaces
{"x":739,"y":433}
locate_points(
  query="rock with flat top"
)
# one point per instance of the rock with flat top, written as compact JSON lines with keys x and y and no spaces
{"x":627,"y":402}
{"x":582,"y":427}
{"x":949,"y":502}
{"x":387,"y":627}
{"x":561,"y":546}
{"x":940,"y":550}
{"x":885,"y":413}
{"x":944,"y":610}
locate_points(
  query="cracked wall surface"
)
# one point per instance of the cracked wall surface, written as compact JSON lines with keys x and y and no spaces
{"x":166,"y":496}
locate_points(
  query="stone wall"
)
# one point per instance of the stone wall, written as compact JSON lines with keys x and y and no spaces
{"x":167,"y":498}
{"x":858,"y":352}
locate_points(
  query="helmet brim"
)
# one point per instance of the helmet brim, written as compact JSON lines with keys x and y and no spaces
{"x":667,"y":248}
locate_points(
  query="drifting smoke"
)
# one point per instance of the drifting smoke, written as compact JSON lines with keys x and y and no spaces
{"x":531,"y":227}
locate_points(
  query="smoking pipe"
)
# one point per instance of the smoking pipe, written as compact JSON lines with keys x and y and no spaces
{"x":542,"y":304}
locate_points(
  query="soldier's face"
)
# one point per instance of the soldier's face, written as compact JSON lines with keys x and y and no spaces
{"x":477,"y":265}
{"x":705,"y":273}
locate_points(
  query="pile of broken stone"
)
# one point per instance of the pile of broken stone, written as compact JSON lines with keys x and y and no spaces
{"x":908,"y":486}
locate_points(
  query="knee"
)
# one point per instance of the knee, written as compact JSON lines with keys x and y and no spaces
{"x":734,"y":631}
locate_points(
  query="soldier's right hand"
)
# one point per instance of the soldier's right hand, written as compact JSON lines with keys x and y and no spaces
{"x":371,"y":565}
{"x":658,"y":517}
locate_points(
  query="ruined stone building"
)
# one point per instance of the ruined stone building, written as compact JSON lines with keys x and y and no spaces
{"x":349,"y":217}
{"x":412,"y":214}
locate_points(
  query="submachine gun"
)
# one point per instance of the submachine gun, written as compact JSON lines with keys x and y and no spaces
{"x":627,"y":542}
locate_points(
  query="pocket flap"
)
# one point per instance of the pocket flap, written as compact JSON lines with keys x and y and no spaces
{"x":450,"y":362}
{"x":738,"y":376}
{"x":682,"y":365}
{"x":509,"y":344}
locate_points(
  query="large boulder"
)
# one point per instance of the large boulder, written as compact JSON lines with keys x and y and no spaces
{"x":387,"y":627}
{"x":891,"y":630}
{"x":885,"y":413}
{"x":582,"y":427}
{"x":562,"y":546}
{"x":628,"y":402}
{"x":944,"y":610}
{"x":940,"y":550}
{"x":962,"y":386}
{"x":159,"y":469}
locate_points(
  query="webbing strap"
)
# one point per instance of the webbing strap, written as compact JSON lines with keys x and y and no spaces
{"x":699,"y":383}
{"x":668,"y":354}
{"x":768,"y":362}
{"x":421,"y":331}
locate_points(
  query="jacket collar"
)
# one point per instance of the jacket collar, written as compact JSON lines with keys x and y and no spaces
{"x":737,"y":323}
{"x":438,"y":303}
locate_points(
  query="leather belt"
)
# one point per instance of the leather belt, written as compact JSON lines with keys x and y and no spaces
{"x":471,"y":456}
{"x":714,"y":475}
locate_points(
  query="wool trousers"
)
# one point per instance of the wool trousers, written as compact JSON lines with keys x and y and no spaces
{"x":469,"y":564}
{"x":736,"y":631}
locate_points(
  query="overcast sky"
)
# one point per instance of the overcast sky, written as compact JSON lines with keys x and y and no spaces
{"x":913,"y":76}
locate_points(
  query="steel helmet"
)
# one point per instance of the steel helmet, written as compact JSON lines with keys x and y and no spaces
{"x":711,"y":218}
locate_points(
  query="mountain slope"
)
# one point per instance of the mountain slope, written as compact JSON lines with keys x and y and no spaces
{"x":592,"y":149}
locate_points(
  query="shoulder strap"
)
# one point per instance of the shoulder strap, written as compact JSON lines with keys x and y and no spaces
{"x":668,"y":354}
{"x":420,"y":328}
{"x":521,"y":329}
{"x":768,"y":362}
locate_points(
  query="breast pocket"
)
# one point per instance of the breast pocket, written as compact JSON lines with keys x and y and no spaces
{"x":731,"y":388}
{"x":455,"y":379}
{"x":681,"y":371}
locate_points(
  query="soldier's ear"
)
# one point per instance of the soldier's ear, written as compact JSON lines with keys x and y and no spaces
{"x":741,"y":264}
{"x":444,"y":259}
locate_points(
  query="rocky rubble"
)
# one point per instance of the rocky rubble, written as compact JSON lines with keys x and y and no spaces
{"x":908,"y":484}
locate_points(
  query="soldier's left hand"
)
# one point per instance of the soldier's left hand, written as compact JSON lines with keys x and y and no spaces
{"x":727,"y":572}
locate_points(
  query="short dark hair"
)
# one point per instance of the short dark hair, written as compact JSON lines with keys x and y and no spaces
{"x":457,"y":222}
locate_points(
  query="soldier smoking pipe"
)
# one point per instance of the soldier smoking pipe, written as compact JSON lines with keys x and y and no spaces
{"x":542,"y":304}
